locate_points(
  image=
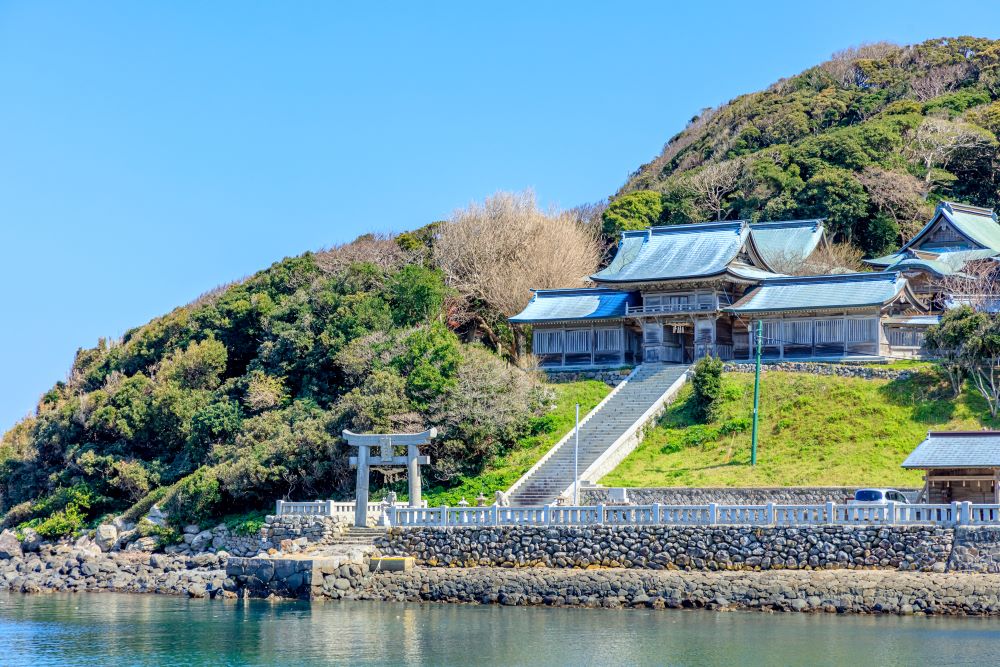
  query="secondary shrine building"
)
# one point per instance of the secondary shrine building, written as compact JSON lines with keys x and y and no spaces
{"x":678,"y":293}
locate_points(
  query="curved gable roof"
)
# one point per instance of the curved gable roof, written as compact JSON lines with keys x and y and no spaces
{"x":679,"y":251}
{"x":790,"y":241}
{"x":979,"y":225}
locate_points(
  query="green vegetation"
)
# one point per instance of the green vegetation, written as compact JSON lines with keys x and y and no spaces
{"x":223,"y":405}
{"x":814,"y":430}
{"x":706,"y":388}
{"x":869,"y":140}
{"x":546,"y":430}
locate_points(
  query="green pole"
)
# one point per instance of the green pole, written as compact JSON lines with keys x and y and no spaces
{"x":756,"y":394}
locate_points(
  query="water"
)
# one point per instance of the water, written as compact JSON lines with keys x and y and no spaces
{"x":105,"y":629}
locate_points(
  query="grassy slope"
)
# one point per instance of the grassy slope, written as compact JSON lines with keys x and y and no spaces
{"x":501,"y":473}
{"x":814,"y":430}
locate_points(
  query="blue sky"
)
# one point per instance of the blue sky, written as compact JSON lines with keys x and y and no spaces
{"x":150,"y":151}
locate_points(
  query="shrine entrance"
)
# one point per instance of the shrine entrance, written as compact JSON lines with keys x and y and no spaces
{"x":388,"y":463}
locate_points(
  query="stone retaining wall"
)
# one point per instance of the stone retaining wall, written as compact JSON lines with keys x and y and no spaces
{"x":842,"y":370}
{"x":669,"y":547}
{"x":976,"y":550}
{"x":610,"y":377}
{"x":804,"y":495}
{"x":834,"y":591}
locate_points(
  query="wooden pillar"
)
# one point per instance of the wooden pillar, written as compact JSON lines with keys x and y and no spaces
{"x":593,"y":343}
{"x":413,"y":474}
{"x":622,"y":344}
{"x":361,"y":497}
{"x":781,"y":338}
{"x":564,"y":345}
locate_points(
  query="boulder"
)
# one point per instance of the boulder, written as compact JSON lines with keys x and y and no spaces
{"x":32,"y":541}
{"x":106,"y":536}
{"x":157,"y":516}
{"x":10,"y":547}
{"x":143,"y":544}
{"x":191,"y":529}
{"x":201,"y":541}
{"x":87,"y":546}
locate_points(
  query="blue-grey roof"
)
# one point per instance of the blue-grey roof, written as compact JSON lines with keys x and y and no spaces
{"x":680,"y":251}
{"x":957,"y":449}
{"x":786,"y":242}
{"x":556,"y":305}
{"x":914,"y":320}
{"x":978,"y":225}
{"x":941,"y":264}
{"x":845,"y":290}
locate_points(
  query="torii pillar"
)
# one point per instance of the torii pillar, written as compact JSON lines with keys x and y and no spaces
{"x":385,"y":459}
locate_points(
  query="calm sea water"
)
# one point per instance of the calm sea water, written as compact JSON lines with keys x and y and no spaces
{"x":97,"y":630}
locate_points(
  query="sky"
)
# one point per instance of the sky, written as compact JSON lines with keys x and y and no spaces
{"x":150,"y":151}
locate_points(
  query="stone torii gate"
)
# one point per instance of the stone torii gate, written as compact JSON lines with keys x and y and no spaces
{"x":386,"y":458}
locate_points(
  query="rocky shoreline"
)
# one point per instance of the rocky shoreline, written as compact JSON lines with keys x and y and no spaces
{"x":830,"y":591}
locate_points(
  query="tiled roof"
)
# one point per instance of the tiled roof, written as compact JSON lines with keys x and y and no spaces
{"x":846,"y":290}
{"x":679,"y":251}
{"x":576,"y":304}
{"x":790,"y":241}
{"x":914,"y":320}
{"x":956,"y":449}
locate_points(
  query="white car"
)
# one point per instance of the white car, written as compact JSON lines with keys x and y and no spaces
{"x":877,"y":496}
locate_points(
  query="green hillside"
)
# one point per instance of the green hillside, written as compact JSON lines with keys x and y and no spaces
{"x":814,"y":431}
{"x":869,"y":140}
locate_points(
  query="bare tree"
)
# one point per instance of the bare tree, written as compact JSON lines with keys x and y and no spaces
{"x":378,"y":249}
{"x":898,"y":195}
{"x":825,"y":259}
{"x":939,"y":80}
{"x":497,"y":251}
{"x":842,"y":66}
{"x":977,"y":286}
{"x":936,"y":141}
{"x":714,"y":183}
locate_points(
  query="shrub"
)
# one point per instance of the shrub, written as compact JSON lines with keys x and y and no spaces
{"x":199,"y":366}
{"x":142,"y":507}
{"x":635,"y":210}
{"x":416,"y":294}
{"x":707,"y":386}
{"x":194,"y":498}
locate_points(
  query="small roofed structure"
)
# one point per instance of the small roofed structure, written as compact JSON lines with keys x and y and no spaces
{"x":962,"y":466}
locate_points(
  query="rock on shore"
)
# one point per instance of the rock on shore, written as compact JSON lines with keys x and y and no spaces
{"x":833,"y":591}
{"x":69,"y":568}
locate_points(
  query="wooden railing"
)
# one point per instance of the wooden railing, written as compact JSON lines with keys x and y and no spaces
{"x":671,"y":308}
{"x":954,"y":514}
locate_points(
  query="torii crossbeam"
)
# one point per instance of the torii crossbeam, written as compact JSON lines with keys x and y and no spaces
{"x":386,"y":442}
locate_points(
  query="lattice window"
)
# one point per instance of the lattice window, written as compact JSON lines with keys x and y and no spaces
{"x":547,"y":342}
{"x":861,"y":330}
{"x":577,"y":341}
{"x":608,"y":340}
{"x":905,"y":337}
{"x":799,"y":332}
{"x":829,"y":331}
{"x":771,"y":333}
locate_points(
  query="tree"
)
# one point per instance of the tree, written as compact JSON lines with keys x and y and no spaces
{"x":936,"y":142}
{"x":635,"y":210}
{"x":707,"y":386}
{"x":835,"y":194}
{"x":947,"y":341}
{"x":714,"y":183}
{"x":494,"y":253}
{"x":416,"y":293}
{"x":897,"y":195}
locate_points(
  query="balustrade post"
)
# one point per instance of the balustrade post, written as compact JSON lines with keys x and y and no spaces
{"x":770,"y":514}
{"x":890,"y":512}
{"x":713,"y":514}
{"x":391,"y":514}
{"x":329,"y":508}
{"x":656,"y":513}
{"x":495,"y":514}
{"x":278,"y":507}
{"x":955,"y":515}
{"x":966,"y":518}
{"x":600,"y":515}
{"x":444,"y":515}
{"x":545,"y":515}
{"x":831,"y":513}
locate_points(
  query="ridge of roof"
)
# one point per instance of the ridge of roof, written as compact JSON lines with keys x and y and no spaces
{"x":833,"y":277}
{"x":736,"y":225}
{"x":959,"y":207}
{"x":572,"y":291}
{"x":950,"y":434}
{"x":784,"y":224}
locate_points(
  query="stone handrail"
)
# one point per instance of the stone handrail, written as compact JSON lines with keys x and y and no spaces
{"x":888,"y":514}
{"x":321,"y":507}
{"x":566,"y":438}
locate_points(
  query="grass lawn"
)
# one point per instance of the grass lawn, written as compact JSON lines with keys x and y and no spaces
{"x":504,"y":471}
{"x":814,"y":430}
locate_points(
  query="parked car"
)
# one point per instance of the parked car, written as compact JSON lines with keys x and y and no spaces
{"x":877,"y":496}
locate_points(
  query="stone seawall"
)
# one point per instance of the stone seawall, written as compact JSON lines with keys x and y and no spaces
{"x":315,"y":577}
{"x":976,"y":550}
{"x":805,"y":495}
{"x":668,"y":547}
{"x":834,"y":591}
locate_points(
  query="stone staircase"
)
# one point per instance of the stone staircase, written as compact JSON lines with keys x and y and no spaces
{"x":604,"y":427}
{"x":354,"y":536}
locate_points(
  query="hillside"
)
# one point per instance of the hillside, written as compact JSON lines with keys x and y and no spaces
{"x":239,"y":398}
{"x":814,"y":430}
{"x":869,"y":140}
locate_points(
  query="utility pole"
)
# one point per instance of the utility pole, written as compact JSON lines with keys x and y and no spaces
{"x":756,"y":394}
{"x":576,"y":459}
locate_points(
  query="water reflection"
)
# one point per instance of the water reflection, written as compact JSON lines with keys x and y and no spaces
{"x":155,"y":630}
